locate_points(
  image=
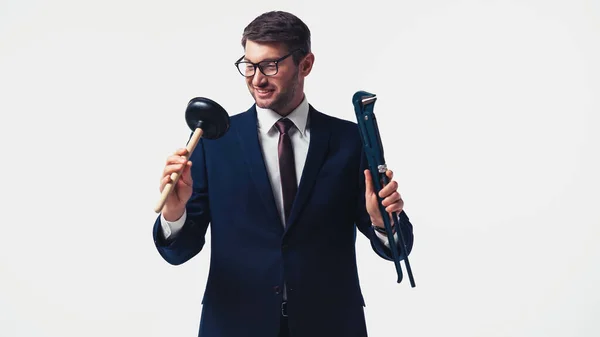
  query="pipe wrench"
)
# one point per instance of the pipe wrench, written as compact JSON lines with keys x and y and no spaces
{"x":363,"y":106}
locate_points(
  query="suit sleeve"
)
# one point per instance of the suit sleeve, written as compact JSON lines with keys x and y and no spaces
{"x":363,"y":221}
{"x":190,"y":239}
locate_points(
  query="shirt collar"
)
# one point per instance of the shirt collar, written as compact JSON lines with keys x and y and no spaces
{"x":299,"y":116}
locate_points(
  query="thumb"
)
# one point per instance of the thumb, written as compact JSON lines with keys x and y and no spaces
{"x":186,"y":175}
{"x":368,"y":183}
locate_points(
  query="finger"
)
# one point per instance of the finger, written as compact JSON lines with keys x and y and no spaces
{"x":391,"y":199}
{"x":388,"y":189}
{"x":181,"y":151}
{"x":179,"y":155}
{"x":166,"y":177}
{"x":163,"y":182}
{"x":169,"y":169}
{"x":176,"y":159}
{"x":185,"y":175}
{"x":389,"y":174}
{"x":395,"y":207}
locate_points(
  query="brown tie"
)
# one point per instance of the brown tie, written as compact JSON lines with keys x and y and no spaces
{"x":287,"y":167}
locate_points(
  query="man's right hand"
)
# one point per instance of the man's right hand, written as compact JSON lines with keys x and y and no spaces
{"x":175,"y":204}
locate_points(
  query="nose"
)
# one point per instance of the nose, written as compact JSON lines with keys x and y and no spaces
{"x":259,"y":79}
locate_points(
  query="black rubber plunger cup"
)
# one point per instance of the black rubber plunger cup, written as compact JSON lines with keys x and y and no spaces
{"x":207,"y":119}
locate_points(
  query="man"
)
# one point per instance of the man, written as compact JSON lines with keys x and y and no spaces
{"x":284,"y":191}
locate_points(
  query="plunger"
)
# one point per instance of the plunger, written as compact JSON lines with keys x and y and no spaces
{"x":207,"y":119}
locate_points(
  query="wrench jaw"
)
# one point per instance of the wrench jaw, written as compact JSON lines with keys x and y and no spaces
{"x":366,"y":100}
{"x":363,"y":98}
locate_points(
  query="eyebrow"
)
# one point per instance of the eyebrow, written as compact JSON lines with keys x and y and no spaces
{"x":269,"y":59}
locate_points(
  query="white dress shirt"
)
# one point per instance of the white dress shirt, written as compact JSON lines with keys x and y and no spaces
{"x":269,"y":140}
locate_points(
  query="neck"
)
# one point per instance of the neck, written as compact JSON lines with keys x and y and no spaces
{"x":290,"y":107}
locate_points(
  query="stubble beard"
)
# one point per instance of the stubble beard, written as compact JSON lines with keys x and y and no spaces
{"x":283,"y":99}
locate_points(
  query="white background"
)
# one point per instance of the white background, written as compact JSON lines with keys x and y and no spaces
{"x":489,"y":114}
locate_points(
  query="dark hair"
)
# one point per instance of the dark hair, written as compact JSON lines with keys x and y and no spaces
{"x":279,"y":26}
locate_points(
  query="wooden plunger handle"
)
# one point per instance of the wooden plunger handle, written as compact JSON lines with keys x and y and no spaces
{"x":191,"y":145}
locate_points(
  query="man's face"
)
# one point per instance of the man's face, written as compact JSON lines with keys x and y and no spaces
{"x":281,"y":92}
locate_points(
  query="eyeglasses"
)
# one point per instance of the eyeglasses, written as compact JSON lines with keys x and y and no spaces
{"x":268,"y":68}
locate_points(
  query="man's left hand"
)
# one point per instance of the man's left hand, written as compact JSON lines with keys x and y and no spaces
{"x":391,"y":198}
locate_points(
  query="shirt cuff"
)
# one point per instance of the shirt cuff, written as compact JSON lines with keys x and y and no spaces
{"x":384,"y":238}
{"x":171,"y":228}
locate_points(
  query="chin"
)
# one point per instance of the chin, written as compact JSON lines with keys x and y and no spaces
{"x":264,"y":103}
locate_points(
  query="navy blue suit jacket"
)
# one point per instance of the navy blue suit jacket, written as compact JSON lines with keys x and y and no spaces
{"x":252,"y":254}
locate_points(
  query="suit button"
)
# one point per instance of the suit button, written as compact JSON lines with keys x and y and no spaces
{"x":276,"y":290}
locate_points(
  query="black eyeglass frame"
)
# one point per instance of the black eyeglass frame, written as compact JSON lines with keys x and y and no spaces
{"x":262,"y":64}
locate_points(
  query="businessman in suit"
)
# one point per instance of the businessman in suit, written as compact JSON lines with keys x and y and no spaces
{"x":284,"y":191}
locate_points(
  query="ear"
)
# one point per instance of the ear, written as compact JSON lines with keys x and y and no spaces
{"x":306,"y":64}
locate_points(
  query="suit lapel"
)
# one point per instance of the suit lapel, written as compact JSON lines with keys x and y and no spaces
{"x":317,"y":152}
{"x":249,"y":143}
